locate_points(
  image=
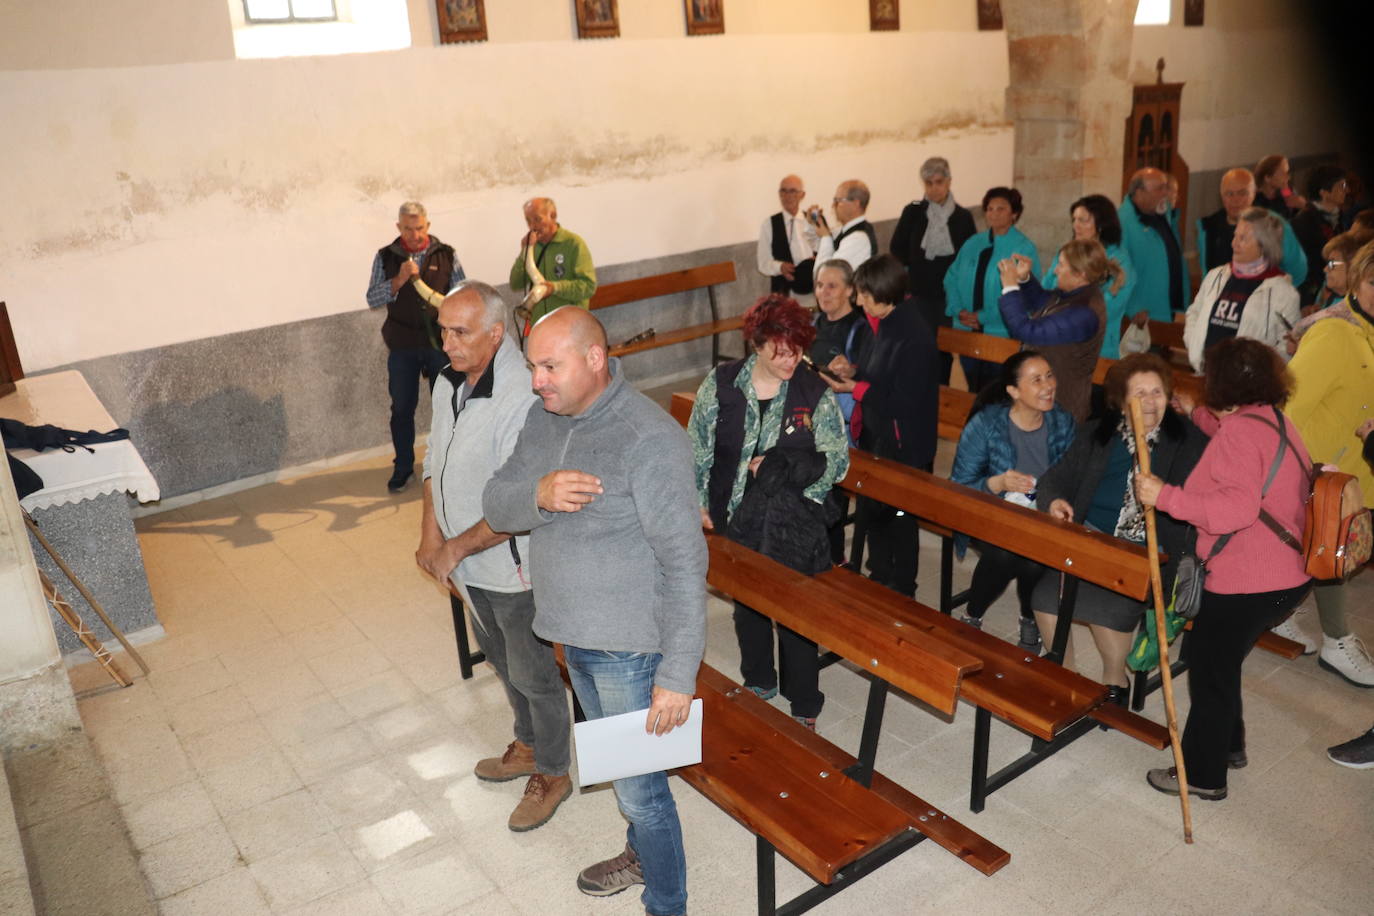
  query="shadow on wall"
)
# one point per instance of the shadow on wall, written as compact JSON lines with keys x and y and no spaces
{"x":338,"y":500}
{"x":225,"y":436}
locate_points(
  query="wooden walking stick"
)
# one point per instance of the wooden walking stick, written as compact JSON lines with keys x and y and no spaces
{"x":1166,"y":676}
{"x":85,"y":593}
{"x":83,"y":632}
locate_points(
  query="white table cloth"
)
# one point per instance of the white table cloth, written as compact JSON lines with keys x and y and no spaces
{"x":65,"y":399}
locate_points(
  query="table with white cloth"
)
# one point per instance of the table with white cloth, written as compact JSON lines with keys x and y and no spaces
{"x":84,"y":508}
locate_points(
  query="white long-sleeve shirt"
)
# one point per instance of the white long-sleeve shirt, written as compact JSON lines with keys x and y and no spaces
{"x":801,"y":239}
{"x":854,"y":247}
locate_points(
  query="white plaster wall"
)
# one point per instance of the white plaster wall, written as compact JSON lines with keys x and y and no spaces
{"x":154,"y":205}
{"x":1249,"y":90}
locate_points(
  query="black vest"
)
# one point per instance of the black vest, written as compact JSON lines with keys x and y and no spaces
{"x":410,"y":321}
{"x":867,"y":229}
{"x":802,"y":281}
{"x":804,"y":392}
{"x":1219,"y":236}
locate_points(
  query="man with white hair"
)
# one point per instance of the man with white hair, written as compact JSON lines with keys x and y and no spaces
{"x":1153,"y":244}
{"x":787,"y":242}
{"x":560,"y":256}
{"x":411,"y":335}
{"x":855,"y":241}
{"x":480,"y":404}
{"x":1215,"y":230}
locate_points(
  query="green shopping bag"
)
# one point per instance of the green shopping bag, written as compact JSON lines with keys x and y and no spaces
{"x":1145,"y":653}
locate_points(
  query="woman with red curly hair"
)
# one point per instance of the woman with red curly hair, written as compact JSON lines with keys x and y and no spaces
{"x":769,"y":443}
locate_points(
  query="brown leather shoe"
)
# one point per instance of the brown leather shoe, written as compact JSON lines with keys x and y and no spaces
{"x":543,"y":795}
{"x":517,"y":761}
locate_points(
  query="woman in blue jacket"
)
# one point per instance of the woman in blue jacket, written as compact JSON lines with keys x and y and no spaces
{"x":972,"y":284}
{"x":1014,"y":433}
{"x":1095,"y":219}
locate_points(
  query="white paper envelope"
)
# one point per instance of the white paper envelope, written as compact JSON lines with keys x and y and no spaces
{"x":618,"y":746}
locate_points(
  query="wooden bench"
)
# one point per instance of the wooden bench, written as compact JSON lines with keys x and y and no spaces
{"x":796,"y":792}
{"x":1059,"y":708}
{"x":677,"y":281}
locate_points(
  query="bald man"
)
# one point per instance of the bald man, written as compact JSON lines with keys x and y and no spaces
{"x":787,"y":242}
{"x":1215,"y":231}
{"x":603,"y":480}
{"x":1154,"y":246}
{"x":561,"y":256}
{"x":855,"y":241}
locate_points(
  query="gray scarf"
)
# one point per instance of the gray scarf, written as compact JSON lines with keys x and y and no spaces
{"x":936,"y":243}
{"x":1130,"y":524}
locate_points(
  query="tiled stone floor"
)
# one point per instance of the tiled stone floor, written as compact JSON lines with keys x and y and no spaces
{"x":304,"y":745}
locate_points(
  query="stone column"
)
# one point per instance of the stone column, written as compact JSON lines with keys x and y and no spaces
{"x":36,"y":701}
{"x":1068,"y":98}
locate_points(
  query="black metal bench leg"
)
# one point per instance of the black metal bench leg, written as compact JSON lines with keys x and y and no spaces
{"x":982,"y":735}
{"x":1068,"y":593}
{"x":768,"y":891}
{"x":862,"y":771}
{"x":466,"y":657}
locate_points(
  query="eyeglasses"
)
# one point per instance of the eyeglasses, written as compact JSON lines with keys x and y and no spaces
{"x":1332,"y":265}
{"x":838,"y":200}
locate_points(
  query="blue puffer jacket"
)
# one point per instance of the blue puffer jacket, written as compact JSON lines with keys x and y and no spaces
{"x":985,"y":449}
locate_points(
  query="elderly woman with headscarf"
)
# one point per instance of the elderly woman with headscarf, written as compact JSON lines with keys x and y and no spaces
{"x":1249,"y":297}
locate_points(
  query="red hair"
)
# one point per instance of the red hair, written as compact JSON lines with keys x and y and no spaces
{"x":780,"y":319}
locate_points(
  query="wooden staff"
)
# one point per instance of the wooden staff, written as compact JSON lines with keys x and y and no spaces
{"x":1142,"y":459}
{"x":85,"y":593}
{"x":83,"y":632}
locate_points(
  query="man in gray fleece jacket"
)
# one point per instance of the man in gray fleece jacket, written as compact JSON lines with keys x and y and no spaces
{"x":602,"y":478}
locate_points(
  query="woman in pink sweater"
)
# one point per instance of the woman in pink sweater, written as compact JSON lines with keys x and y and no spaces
{"x":1254,"y":580}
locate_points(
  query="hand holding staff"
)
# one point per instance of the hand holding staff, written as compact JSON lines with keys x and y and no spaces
{"x":1142,"y":457}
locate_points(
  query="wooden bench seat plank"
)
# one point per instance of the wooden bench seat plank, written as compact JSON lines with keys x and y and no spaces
{"x":677,"y":281}
{"x":1089,"y":555}
{"x":1030,"y":692}
{"x":955,"y":404}
{"x":757,"y":772}
{"x":680,"y":335}
{"x":910,"y":657}
{"x":1127,"y":722}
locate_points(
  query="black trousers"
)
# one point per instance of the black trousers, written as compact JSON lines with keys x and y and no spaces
{"x":893,"y":546}
{"x":798,"y":658}
{"x":996,"y":568}
{"x":1215,"y":648}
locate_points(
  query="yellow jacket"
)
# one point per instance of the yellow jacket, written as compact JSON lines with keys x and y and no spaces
{"x":1334,"y":370}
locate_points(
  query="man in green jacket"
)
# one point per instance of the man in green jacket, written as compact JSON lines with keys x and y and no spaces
{"x":560,"y":256}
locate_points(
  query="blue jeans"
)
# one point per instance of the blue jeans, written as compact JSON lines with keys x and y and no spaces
{"x":608,"y":684}
{"x":403,"y":371}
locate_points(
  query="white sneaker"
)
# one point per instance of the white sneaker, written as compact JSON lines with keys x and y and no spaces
{"x":1289,"y":629}
{"x":1349,"y":658}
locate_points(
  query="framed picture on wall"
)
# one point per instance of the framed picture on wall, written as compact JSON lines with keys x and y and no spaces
{"x":705,"y":17}
{"x":1193,"y":12}
{"x":461,"y":20}
{"x":883,"y":15}
{"x":989,"y":15}
{"x":597,"y":19}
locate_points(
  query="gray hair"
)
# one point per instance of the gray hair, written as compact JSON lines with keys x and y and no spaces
{"x":1268,"y":229}
{"x":411,"y":208}
{"x":840,"y":264}
{"x":857,"y":192}
{"x":493,"y":306}
{"x":935,"y":167}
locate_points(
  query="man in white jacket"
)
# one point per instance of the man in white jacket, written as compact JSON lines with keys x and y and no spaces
{"x":481,"y":400}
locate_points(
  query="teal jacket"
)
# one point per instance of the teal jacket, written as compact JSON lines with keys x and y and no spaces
{"x":959,"y":278}
{"x":1294,"y":261}
{"x":1118,"y":305}
{"x":1150,"y":257}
